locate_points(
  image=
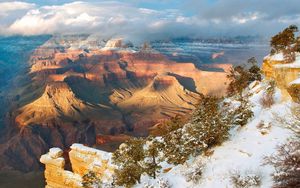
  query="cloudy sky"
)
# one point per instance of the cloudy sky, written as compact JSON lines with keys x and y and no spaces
{"x":149,"y":18}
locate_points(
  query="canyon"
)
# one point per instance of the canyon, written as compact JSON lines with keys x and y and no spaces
{"x":97,"y":92}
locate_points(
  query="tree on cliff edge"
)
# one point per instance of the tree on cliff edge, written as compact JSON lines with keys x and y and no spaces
{"x":286,"y":43}
{"x":241,"y":76}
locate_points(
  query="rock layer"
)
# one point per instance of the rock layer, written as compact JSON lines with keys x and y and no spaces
{"x":283,"y":74}
{"x":75,"y":94}
{"x":83,"y":159}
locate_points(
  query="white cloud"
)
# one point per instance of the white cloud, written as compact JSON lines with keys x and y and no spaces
{"x":110,"y":18}
{"x":15,"y":5}
{"x":246,"y":17}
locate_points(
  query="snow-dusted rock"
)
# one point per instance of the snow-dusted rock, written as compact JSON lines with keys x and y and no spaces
{"x":83,"y":159}
{"x":55,"y":152}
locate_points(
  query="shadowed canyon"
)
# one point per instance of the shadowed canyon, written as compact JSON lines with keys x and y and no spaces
{"x":97,"y":95}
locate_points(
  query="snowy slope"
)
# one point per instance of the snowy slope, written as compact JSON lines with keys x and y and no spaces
{"x":243,"y":152}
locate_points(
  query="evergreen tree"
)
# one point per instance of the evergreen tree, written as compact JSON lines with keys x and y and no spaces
{"x":208,"y":127}
{"x":174,"y":148}
{"x":171,"y":125}
{"x":242,"y":75}
{"x":243,"y":113}
{"x":285,"y":42}
{"x":152,"y":157}
{"x":210,"y":124}
{"x":130,"y":161}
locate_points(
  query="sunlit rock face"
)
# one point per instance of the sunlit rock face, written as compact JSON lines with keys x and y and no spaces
{"x":74,"y":94}
{"x":274,"y":67}
{"x":83,"y":160}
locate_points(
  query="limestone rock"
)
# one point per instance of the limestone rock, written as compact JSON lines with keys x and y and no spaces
{"x":83,"y":159}
{"x":282,"y":73}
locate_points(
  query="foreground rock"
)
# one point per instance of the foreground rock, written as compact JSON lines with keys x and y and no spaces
{"x":83,"y":159}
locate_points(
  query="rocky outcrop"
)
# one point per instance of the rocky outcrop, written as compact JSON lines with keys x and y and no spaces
{"x":283,"y":73}
{"x":294,"y":90}
{"x":83,"y":160}
{"x":75,"y":94}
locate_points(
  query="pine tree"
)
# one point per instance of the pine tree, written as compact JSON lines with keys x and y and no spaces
{"x":210,"y":124}
{"x":284,"y":42}
{"x":173,"y":124}
{"x":130,"y":161}
{"x":152,"y":157}
{"x":208,"y":127}
{"x":243,"y":113}
{"x":174,"y":148}
{"x":242,"y":75}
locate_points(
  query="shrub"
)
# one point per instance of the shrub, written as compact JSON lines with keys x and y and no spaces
{"x":194,"y":173}
{"x":287,"y":165}
{"x":90,"y":180}
{"x":245,"y":179}
{"x":290,"y":120}
{"x":267,"y":99}
{"x":243,"y":113}
{"x":171,"y":125}
{"x":294,"y":92}
{"x":162,"y":183}
{"x":242,"y":75}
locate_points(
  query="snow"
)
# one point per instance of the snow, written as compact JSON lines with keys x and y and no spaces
{"x":296,"y":82}
{"x":243,"y":153}
{"x":88,"y":150}
{"x":275,"y":57}
{"x":55,"y":152}
{"x":295,"y":64}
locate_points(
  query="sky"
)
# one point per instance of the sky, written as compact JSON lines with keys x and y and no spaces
{"x":149,"y":18}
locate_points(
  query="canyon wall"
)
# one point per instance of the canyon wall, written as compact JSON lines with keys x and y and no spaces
{"x":83,"y":160}
{"x":75,"y":94}
{"x":284,"y":74}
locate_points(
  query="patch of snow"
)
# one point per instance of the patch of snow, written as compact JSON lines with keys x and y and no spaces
{"x":275,"y":57}
{"x":244,"y":152}
{"x":55,"y":152}
{"x":88,"y":150}
{"x":295,"y":64}
{"x":296,"y":82}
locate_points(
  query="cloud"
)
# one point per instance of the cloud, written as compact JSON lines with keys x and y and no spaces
{"x":15,"y":5}
{"x":132,"y":19}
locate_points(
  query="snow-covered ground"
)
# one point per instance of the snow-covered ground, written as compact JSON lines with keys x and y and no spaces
{"x":243,"y":153}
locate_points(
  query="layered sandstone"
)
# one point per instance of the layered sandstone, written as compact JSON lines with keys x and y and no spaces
{"x":284,"y":74}
{"x":83,"y":160}
{"x":76,"y":94}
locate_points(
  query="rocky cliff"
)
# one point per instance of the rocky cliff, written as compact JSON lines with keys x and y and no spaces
{"x":76,"y":94}
{"x":83,"y":159}
{"x":284,"y":74}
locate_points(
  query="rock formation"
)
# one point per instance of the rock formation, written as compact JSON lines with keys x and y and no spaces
{"x":284,"y":74}
{"x":83,"y":159}
{"x":74,"y":93}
